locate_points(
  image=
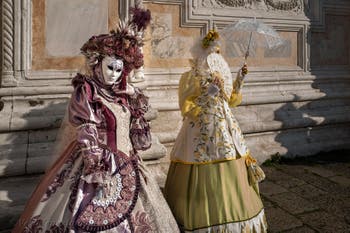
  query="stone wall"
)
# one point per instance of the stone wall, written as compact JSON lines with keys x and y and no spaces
{"x":40,"y":53}
{"x":296,"y":100}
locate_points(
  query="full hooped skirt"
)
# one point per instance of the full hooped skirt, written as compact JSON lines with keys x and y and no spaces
{"x":214,"y":197}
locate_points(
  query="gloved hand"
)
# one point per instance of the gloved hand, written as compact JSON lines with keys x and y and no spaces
{"x":244,"y":70}
{"x":216,"y":85}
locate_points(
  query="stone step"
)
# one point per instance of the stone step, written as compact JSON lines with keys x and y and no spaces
{"x":14,"y":193}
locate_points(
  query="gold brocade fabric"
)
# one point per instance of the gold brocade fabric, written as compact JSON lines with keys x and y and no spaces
{"x":210,"y":132}
{"x":190,"y":89}
{"x":204,"y":196}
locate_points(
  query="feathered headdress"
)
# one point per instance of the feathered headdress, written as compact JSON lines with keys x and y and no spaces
{"x":124,"y":42}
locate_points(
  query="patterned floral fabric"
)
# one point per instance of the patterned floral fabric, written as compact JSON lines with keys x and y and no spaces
{"x":208,"y":186}
{"x":210,"y":131}
{"x":98,"y":182}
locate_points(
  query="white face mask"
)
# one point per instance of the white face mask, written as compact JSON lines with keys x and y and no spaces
{"x":112,"y":69}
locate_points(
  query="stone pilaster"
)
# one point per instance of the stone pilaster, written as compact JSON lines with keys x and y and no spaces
{"x":7,"y":45}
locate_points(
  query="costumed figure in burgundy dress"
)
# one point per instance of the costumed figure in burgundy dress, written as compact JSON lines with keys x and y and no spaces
{"x":98,"y":183}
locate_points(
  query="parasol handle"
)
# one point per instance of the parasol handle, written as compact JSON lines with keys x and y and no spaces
{"x":247,"y":53}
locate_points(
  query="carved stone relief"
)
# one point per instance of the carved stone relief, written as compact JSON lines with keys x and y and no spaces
{"x":280,"y":51}
{"x":268,"y":5}
{"x":8,"y":42}
{"x":164,"y":43}
{"x":7,"y":8}
{"x":285,"y":5}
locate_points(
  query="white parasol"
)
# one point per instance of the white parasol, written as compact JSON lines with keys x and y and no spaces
{"x":247,"y":32}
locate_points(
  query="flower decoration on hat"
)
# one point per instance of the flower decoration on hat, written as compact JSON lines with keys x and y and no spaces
{"x":125,"y":42}
{"x":209,"y":38}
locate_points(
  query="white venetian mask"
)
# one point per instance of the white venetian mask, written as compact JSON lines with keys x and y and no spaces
{"x":112,"y":69}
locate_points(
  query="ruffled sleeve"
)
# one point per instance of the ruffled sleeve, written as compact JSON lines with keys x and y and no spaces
{"x":236,"y":95}
{"x":140,"y":134}
{"x":82,"y":108}
{"x":85,"y":115}
{"x":189,"y":90}
{"x":138,"y":102}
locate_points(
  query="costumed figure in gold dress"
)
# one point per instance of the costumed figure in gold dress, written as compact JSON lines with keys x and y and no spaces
{"x":212,"y":183}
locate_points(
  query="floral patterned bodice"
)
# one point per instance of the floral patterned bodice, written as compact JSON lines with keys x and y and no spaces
{"x":210,"y":132}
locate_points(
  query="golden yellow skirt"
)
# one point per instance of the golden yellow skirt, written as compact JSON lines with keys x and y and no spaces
{"x":214,"y":197}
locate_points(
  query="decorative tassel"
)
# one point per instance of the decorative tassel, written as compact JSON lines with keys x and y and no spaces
{"x":255,"y":173}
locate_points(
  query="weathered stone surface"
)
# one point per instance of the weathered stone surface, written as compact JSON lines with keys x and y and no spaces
{"x":5,"y":113}
{"x":310,"y":141}
{"x":339,"y":169}
{"x":301,"y":172}
{"x":275,"y":116}
{"x":325,"y":222}
{"x":303,"y":229}
{"x":318,"y":170}
{"x":284,"y":50}
{"x":156,"y":151}
{"x":293,"y":203}
{"x":266,"y":202}
{"x":44,"y":135}
{"x":32,"y":112}
{"x":269,"y":188}
{"x":64,"y":38}
{"x":16,"y":190}
{"x":165,"y":43}
{"x":283,"y":179}
{"x":14,"y":193}
{"x":333,"y":42}
{"x":26,"y":151}
{"x":317,"y":203}
{"x":336,"y":205}
{"x":36,"y":112}
{"x":296,"y":170}
{"x":41,"y":146}
{"x":341,"y":180}
{"x":167,"y":122}
{"x":13,"y":153}
{"x":9,"y":216}
{"x":308,"y":191}
{"x":320,"y":182}
{"x":279,"y":220}
{"x":39,"y":155}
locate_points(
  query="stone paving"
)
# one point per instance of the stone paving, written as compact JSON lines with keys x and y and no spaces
{"x":308,"y":195}
{"x":300,"y":196}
